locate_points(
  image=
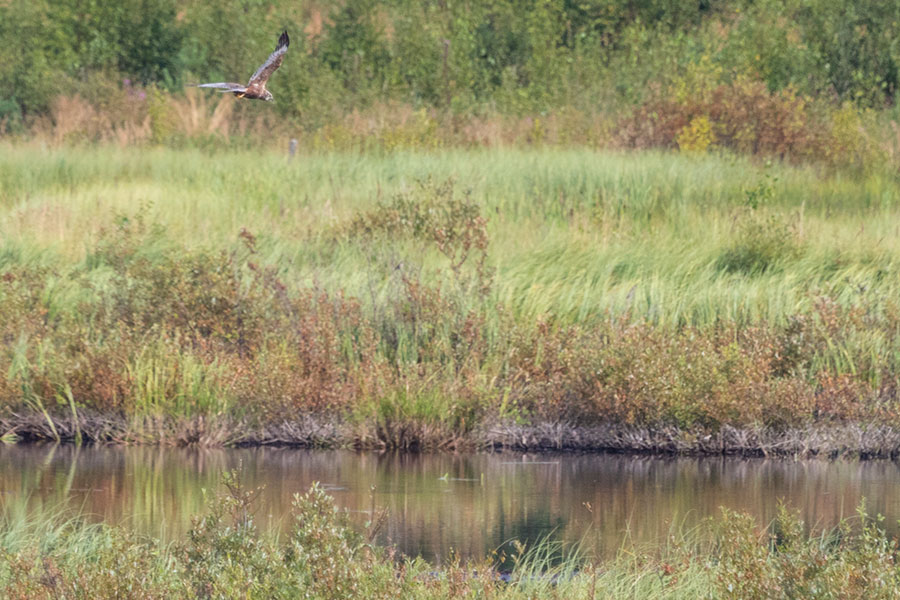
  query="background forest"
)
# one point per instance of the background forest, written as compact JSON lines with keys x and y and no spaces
{"x":800,"y":79}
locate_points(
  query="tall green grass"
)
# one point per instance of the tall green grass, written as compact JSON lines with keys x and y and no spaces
{"x":573,"y":232}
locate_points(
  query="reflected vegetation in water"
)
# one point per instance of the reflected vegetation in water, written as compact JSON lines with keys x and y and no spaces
{"x":471,"y":504}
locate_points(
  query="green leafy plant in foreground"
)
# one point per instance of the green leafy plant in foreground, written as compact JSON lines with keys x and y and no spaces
{"x":855,"y":560}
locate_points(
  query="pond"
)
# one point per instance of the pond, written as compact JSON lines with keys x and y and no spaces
{"x":468,"y":503}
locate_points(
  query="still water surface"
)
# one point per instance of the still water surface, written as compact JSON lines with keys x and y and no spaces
{"x":470,"y":503}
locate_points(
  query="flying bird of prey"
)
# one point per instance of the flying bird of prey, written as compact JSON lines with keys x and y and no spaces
{"x":256,"y":87}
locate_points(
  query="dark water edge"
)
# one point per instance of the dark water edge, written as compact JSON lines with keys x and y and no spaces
{"x":856,"y":440}
{"x":468,"y":504}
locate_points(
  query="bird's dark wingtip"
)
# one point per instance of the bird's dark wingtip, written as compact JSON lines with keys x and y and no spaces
{"x":284,"y":40}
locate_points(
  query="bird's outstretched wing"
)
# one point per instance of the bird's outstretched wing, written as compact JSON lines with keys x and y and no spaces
{"x":273,"y":62}
{"x":225,"y":87}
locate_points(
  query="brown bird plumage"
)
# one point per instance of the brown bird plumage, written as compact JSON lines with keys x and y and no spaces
{"x":256,"y":87}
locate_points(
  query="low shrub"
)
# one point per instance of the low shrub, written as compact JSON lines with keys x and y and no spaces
{"x":856,"y":560}
{"x":744,"y":116}
{"x":433,"y":213}
{"x":761,"y":242}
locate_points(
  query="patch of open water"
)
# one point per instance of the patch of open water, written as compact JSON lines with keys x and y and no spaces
{"x":468,"y":503}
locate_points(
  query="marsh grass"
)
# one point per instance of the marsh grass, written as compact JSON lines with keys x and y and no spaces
{"x":414,"y":298}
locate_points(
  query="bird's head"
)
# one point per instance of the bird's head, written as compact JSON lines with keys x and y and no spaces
{"x":268,"y":97}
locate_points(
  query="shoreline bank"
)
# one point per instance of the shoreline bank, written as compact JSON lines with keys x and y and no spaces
{"x":865,"y":441}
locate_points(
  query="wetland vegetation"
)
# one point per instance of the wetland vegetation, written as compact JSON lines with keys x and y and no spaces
{"x":624,"y":225}
{"x":642,"y":225}
{"x":537,"y":297}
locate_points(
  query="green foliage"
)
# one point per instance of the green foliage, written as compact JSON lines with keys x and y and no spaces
{"x":225,"y":551}
{"x":354,"y":47}
{"x":855,"y":48}
{"x":855,"y":560}
{"x":761,"y":242}
{"x":10,"y":117}
{"x":520,"y":58}
{"x":433,"y":213}
{"x":62,"y":42}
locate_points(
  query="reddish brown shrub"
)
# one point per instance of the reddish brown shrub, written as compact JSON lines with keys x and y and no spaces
{"x":745,"y":117}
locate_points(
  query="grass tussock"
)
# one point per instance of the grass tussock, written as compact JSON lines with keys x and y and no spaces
{"x":225,"y":555}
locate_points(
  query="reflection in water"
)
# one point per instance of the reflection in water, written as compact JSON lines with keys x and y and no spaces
{"x":468,"y":503}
